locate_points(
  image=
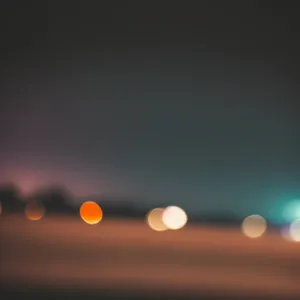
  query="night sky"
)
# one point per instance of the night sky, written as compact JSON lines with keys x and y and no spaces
{"x":196,"y":106}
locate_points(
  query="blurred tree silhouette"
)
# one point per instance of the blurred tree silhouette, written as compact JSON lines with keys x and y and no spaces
{"x":10,"y":198}
{"x":55,"y":199}
{"x":220,"y":219}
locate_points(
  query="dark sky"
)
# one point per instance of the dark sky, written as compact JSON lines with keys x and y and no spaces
{"x":196,"y":106}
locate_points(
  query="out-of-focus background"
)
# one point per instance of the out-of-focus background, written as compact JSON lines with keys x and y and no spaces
{"x":149,"y":150}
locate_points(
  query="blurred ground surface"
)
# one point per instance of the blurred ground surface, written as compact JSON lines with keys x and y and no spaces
{"x":60,"y":256}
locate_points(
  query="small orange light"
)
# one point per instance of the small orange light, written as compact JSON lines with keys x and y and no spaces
{"x":91,"y":212}
{"x":34,"y":210}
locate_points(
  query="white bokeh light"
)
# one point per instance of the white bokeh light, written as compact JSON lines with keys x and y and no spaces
{"x":174,"y":217}
{"x":295,"y":231}
{"x":254,"y":226}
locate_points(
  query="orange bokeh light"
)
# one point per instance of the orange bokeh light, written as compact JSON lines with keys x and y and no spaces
{"x":154,"y":219}
{"x":34,"y":210}
{"x":91,"y":212}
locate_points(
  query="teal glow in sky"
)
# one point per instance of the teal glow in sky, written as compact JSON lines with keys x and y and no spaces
{"x":292,"y":211}
{"x":284,"y":211}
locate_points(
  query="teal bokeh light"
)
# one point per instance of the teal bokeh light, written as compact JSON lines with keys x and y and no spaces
{"x":291,"y":211}
{"x":285,"y":211}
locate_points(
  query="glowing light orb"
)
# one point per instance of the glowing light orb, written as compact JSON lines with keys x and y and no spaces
{"x":91,"y":212}
{"x":174,"y":217}
{"x":291,"y":211}
{"x":254,"y":226}
{"x":154,"y":219}
{"x":34,"y":210}
{"x":295,"y":231}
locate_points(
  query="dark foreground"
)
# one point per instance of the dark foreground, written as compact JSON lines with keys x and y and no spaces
{"x":64,"y":258}
{"x":8,"y":293}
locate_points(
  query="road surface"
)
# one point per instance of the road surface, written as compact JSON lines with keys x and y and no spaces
{"x":64,"y":252}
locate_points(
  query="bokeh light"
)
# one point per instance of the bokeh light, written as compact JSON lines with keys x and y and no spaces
{"x":34,"y":210}
{"x":91,"y":212}
{"x":254,"y":226}
{"x":154,"y":219}
{"x":295,"y":230}
{"x":174,"y":217}
{"x":291,"y":211}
